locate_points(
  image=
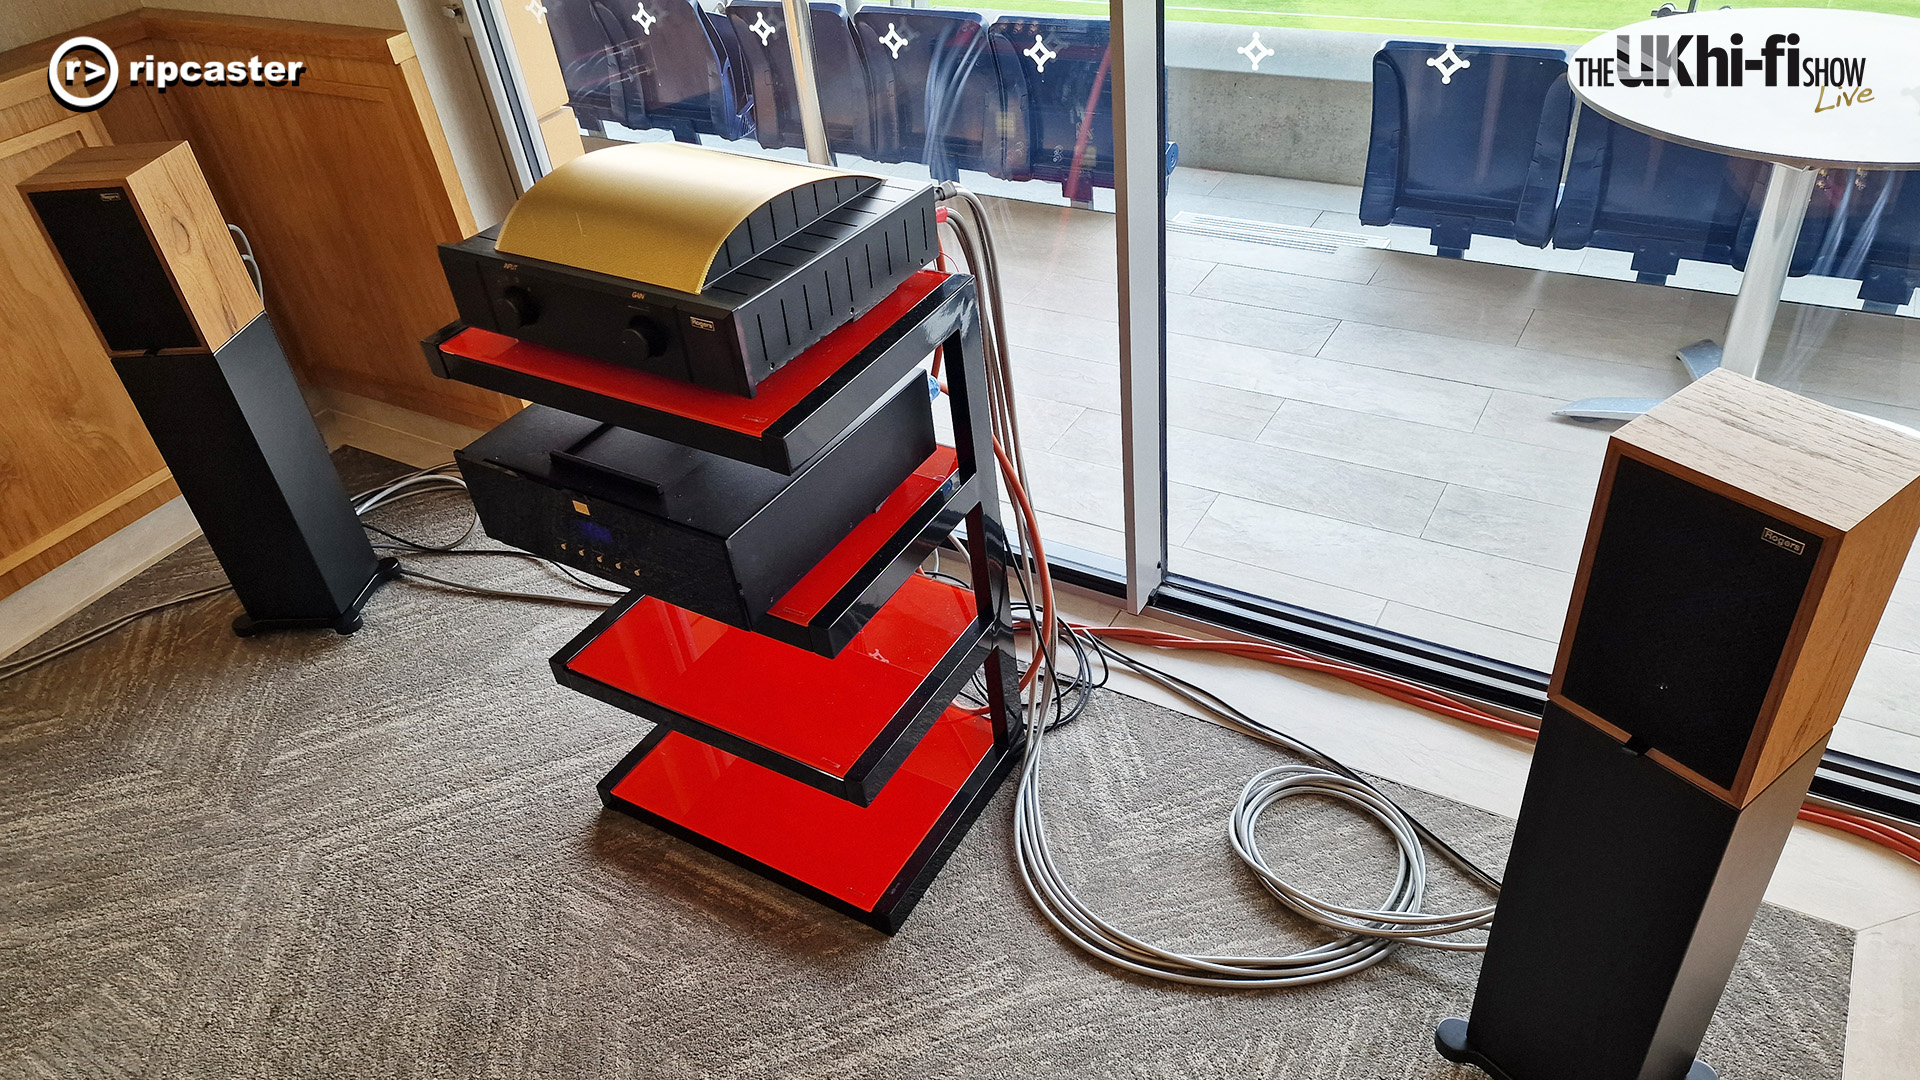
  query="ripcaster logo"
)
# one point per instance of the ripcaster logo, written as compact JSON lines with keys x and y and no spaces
{"x":1694,"y":60}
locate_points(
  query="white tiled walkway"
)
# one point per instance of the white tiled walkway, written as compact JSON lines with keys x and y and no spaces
{"x":1369,"y":432}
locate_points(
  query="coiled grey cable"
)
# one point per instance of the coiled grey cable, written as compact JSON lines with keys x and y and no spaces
{"x":1400,"y":917}
{"x":1368,"y":935}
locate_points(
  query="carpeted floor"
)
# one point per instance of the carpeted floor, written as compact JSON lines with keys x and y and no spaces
{"x":311,"y":856}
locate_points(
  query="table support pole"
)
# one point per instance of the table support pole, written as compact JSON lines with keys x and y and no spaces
{"x":1767,"y":263}
{"x":813,"y":125}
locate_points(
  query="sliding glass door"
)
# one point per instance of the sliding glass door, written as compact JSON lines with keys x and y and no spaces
{"x":1298,"y":301}
{"x":1395,"y":256}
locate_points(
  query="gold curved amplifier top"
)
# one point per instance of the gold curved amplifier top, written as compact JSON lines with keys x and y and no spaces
{"x":657,"y":213}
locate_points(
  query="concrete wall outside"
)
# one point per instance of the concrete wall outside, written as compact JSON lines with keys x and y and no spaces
{"x":1270,"y":101}
{"x":1270,"y":125}
{"x":1273,"y":101}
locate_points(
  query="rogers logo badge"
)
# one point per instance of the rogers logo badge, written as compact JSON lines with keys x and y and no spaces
{"x":1782,"y":540}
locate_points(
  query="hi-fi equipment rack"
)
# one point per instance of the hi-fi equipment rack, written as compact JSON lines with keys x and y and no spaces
{"x":821,"y":740}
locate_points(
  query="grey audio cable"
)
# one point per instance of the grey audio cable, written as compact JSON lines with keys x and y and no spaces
{"x":410,"y":485}
{"x":1366,"y":934}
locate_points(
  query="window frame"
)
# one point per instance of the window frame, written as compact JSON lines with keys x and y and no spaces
{"x":1142,"y":582}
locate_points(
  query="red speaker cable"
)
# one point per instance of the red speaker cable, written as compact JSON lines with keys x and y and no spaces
{"x":1423,"y":697}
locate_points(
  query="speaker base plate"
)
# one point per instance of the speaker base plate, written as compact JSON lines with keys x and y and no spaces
{"x":344,"y":623}
{"x":1450,"y":1038}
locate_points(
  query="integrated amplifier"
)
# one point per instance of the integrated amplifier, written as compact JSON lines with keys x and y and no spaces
{"x":706,"y":267}
{"x":715,"y":536}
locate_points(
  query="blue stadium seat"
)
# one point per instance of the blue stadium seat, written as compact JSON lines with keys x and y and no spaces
{"x":942,"y":95}
{"x":734,"y":59}
{"x":1628,"y":191}
{"x":600,"y":86}
{"x":1863,"y":226}
{"x":846,"y":98}
{"x":1466,"y":141}
{"x":685,"y":81}
{"x":1065,"y":63}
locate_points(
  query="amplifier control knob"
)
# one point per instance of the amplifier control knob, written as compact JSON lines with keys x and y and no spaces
{"x":644,"y":336}
{"x":516,"y":308}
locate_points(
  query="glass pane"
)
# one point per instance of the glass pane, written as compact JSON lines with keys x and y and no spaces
{"x":1380,"y":293}
{"x":1016,"y":107}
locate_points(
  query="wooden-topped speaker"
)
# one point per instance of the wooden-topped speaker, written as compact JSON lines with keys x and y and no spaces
{"x":1743,"y":546}
{"x":145,"y":247}
{"x":1744,"y":543}
{"x":149,"y":255}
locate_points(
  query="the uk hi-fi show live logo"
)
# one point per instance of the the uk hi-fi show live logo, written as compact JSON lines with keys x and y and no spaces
{"x":1677,"y":60}
{"x":84,"y":72}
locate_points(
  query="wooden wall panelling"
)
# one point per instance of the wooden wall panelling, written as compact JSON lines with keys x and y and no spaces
{"x":345,"y":187}
{"x":539,"y":62}
{"x":342,"y":184}
{"x":116,"y":31}
{"x":404,"y":58}
{"x":75,"y":461}
{"x":561,"y":132}
{"x":97,"y":523}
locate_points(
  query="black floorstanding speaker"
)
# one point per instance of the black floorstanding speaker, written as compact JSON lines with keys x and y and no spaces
{"x":1743,"y":545}
{"x":149,"y":256}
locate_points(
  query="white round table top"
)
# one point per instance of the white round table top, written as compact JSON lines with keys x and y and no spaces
{"x":1817,"y":88}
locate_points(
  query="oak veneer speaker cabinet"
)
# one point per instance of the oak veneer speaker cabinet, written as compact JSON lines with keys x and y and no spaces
{"x":1743,"y":546}
{"x":1744,"y":543}
{"x":145,"y":247}
{"x":345,"y":185}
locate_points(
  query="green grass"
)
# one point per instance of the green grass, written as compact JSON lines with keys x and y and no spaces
{"x":1563,"y":22}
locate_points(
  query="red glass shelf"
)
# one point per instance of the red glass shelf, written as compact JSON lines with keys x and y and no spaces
{"x":869,"y":860}
{"x":812,"y":593}
{"x":830,"y":605}
{"x":842,"y":724}
{"x":795,"y":412}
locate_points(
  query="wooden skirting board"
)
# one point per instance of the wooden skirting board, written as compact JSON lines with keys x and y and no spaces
{"x":146,"y":528}
{"x":134,"y":494}
{"x":345,"y":186}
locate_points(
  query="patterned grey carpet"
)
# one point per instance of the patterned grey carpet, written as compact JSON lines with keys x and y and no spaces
{"x":311,"y":856}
